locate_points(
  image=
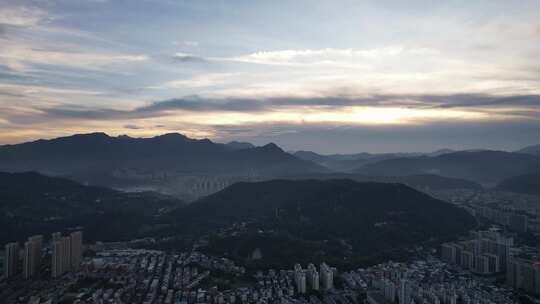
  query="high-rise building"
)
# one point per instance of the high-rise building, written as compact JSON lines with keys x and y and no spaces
{"x":313,"y":277}
{"x":448,"y":253}
{"x":523,"y":274}
{"x":11,"y":258}
{"x":494,"y":262}
{"x":37,"y":240}
{"x":517,"y":222}
{"x":29,"y":261}
{"x":57,"y":267}
{"x":327,"y":277}
{"x":467,"y":260}
{"x":485,"y":252}
{"x":32,"y":256}
{"x":405,"y":292}
{"x":300,"y":278}
{"x":389,"y":290}
{"x":481,"y":264}
{"x":62,"y":253}
{"x":66,"y":256}
{"x":76,"y":249}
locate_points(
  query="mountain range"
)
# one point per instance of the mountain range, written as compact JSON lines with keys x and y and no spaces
{"x":484,"y":166}
{"x":174,"y":164}
{"x":170,"y":163}
{"x":349,"y":162}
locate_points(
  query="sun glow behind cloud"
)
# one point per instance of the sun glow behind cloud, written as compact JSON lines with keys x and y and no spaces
{"x":322,"y":115}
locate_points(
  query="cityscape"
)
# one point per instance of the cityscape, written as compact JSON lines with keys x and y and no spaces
{"x":487,"y":266}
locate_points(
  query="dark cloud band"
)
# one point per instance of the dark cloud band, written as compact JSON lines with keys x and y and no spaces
{"x":198,"y":104}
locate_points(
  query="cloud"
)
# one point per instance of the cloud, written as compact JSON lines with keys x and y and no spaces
{"x":43,"y":91}
{"x":22,"y":16}
{"x":133,"y":127}
{"x":478,"y":100}
{"x":188,"y":58}
{"x":21,"y":57}
{"x":329,"y":56}
{"x":377,"y":109}
{"x":200,"y":81}
{"x":192,"y":43}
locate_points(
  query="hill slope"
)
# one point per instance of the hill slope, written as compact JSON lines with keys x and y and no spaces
{"x":170,"y":163}
{"x":486,"y":167}
{"x":370,"y":217}
{"x":420,"y":182}
{"x":528,"y":184}
{"x":33,"y":203}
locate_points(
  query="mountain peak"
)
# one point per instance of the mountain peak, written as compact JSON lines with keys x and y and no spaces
{"x":172,"y":137}
{"x":272,"y":147}
{"x":83,"y":137}
{"x":91,"y":135}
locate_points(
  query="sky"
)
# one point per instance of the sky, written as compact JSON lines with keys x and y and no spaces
{"x":327,"y":76}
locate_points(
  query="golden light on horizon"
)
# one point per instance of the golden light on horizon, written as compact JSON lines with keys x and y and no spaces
{"x":350,"y":115}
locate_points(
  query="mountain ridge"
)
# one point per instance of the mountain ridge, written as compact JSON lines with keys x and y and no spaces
{"x":171,"y":163}
{"x":485,"y":167}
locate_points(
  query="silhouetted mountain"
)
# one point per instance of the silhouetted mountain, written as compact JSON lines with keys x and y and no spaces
{"x":528,"y":184}
{"x":535,"y":150}
{"x":312,"y":156}
{"x":440,"y":152}
{"x":485,"y":167}
{"x":170,"y":163}
{"x":349,"y":162}
{"x":34,"y":203}
{"x":420,"y":182}
{"x":371,"y":217}
{"x":235,"y":145}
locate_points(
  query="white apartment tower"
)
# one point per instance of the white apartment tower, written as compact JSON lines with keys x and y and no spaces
{"x":327,"y":277}
{"x":11,"y":258}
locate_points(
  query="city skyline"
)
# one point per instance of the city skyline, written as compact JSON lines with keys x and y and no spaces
{"x":332,"y":78}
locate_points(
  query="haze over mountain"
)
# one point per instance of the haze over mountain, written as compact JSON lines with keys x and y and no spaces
{"x":236,"y":145}
{"x":421,"y":182}
{"x":528,"y":184}
{"x":484,"y":166}
{"x":349,"y":162}
{"x":170,"y":163}
{"x":535,"y":150}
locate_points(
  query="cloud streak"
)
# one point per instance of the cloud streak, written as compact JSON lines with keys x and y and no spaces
{"x":22,"y":16}
{"x":441,"y":103}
